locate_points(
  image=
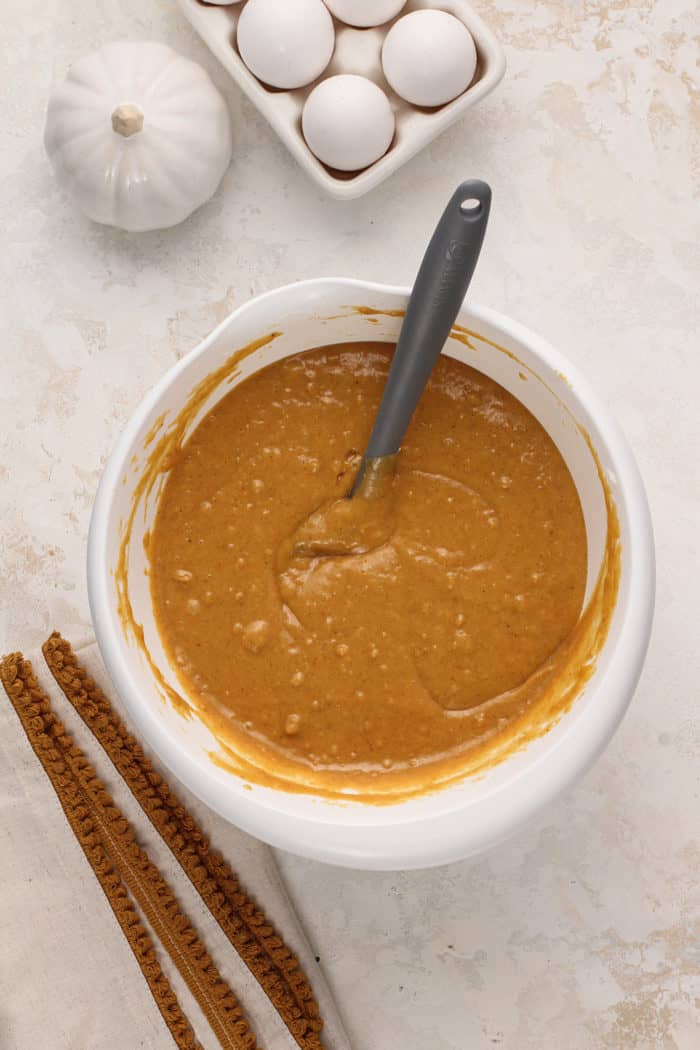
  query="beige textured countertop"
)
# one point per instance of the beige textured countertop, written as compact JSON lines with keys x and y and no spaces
{"x":583,"y":932}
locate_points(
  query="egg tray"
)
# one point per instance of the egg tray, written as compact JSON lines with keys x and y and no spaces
{"x":356,"y":51}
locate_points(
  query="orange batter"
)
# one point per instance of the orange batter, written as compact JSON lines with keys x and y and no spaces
{"x":419,"y":644}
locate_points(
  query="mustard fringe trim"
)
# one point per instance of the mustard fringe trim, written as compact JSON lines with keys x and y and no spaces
{"x":268,"y":958}
{"x":123,"y":867}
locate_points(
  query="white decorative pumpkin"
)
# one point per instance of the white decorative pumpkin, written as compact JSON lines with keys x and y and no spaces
{"x":138,"y":135}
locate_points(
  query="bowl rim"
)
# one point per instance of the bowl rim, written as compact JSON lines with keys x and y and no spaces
{"x":444,"y":836}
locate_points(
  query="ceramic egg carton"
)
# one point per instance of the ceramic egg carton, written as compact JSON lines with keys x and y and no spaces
{"x":356,"y":51}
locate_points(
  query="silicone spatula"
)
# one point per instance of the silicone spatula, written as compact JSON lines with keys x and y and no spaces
{"x":438,"y":293}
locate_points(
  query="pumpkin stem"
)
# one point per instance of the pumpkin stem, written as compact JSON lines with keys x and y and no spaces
{"x":127,"y":120}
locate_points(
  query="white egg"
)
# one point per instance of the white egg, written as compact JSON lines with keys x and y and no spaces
{"x":286,"y":43}
{"x":429,"y":57}
{"x":365,"y":12}
{"x":348,"y":122}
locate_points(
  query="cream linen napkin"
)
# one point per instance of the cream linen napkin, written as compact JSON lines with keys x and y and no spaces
{"x":68,"y":979}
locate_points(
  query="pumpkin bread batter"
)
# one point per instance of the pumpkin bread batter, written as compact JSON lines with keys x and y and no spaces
{"x":424,"y":640}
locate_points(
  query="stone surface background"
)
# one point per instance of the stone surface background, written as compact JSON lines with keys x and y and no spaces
{"x":584,"y":931}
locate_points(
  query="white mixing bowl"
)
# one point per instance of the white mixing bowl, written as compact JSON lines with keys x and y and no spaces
{"x":463,"y":818}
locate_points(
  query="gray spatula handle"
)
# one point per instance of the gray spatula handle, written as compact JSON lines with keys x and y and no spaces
{"x":437,"y":295}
